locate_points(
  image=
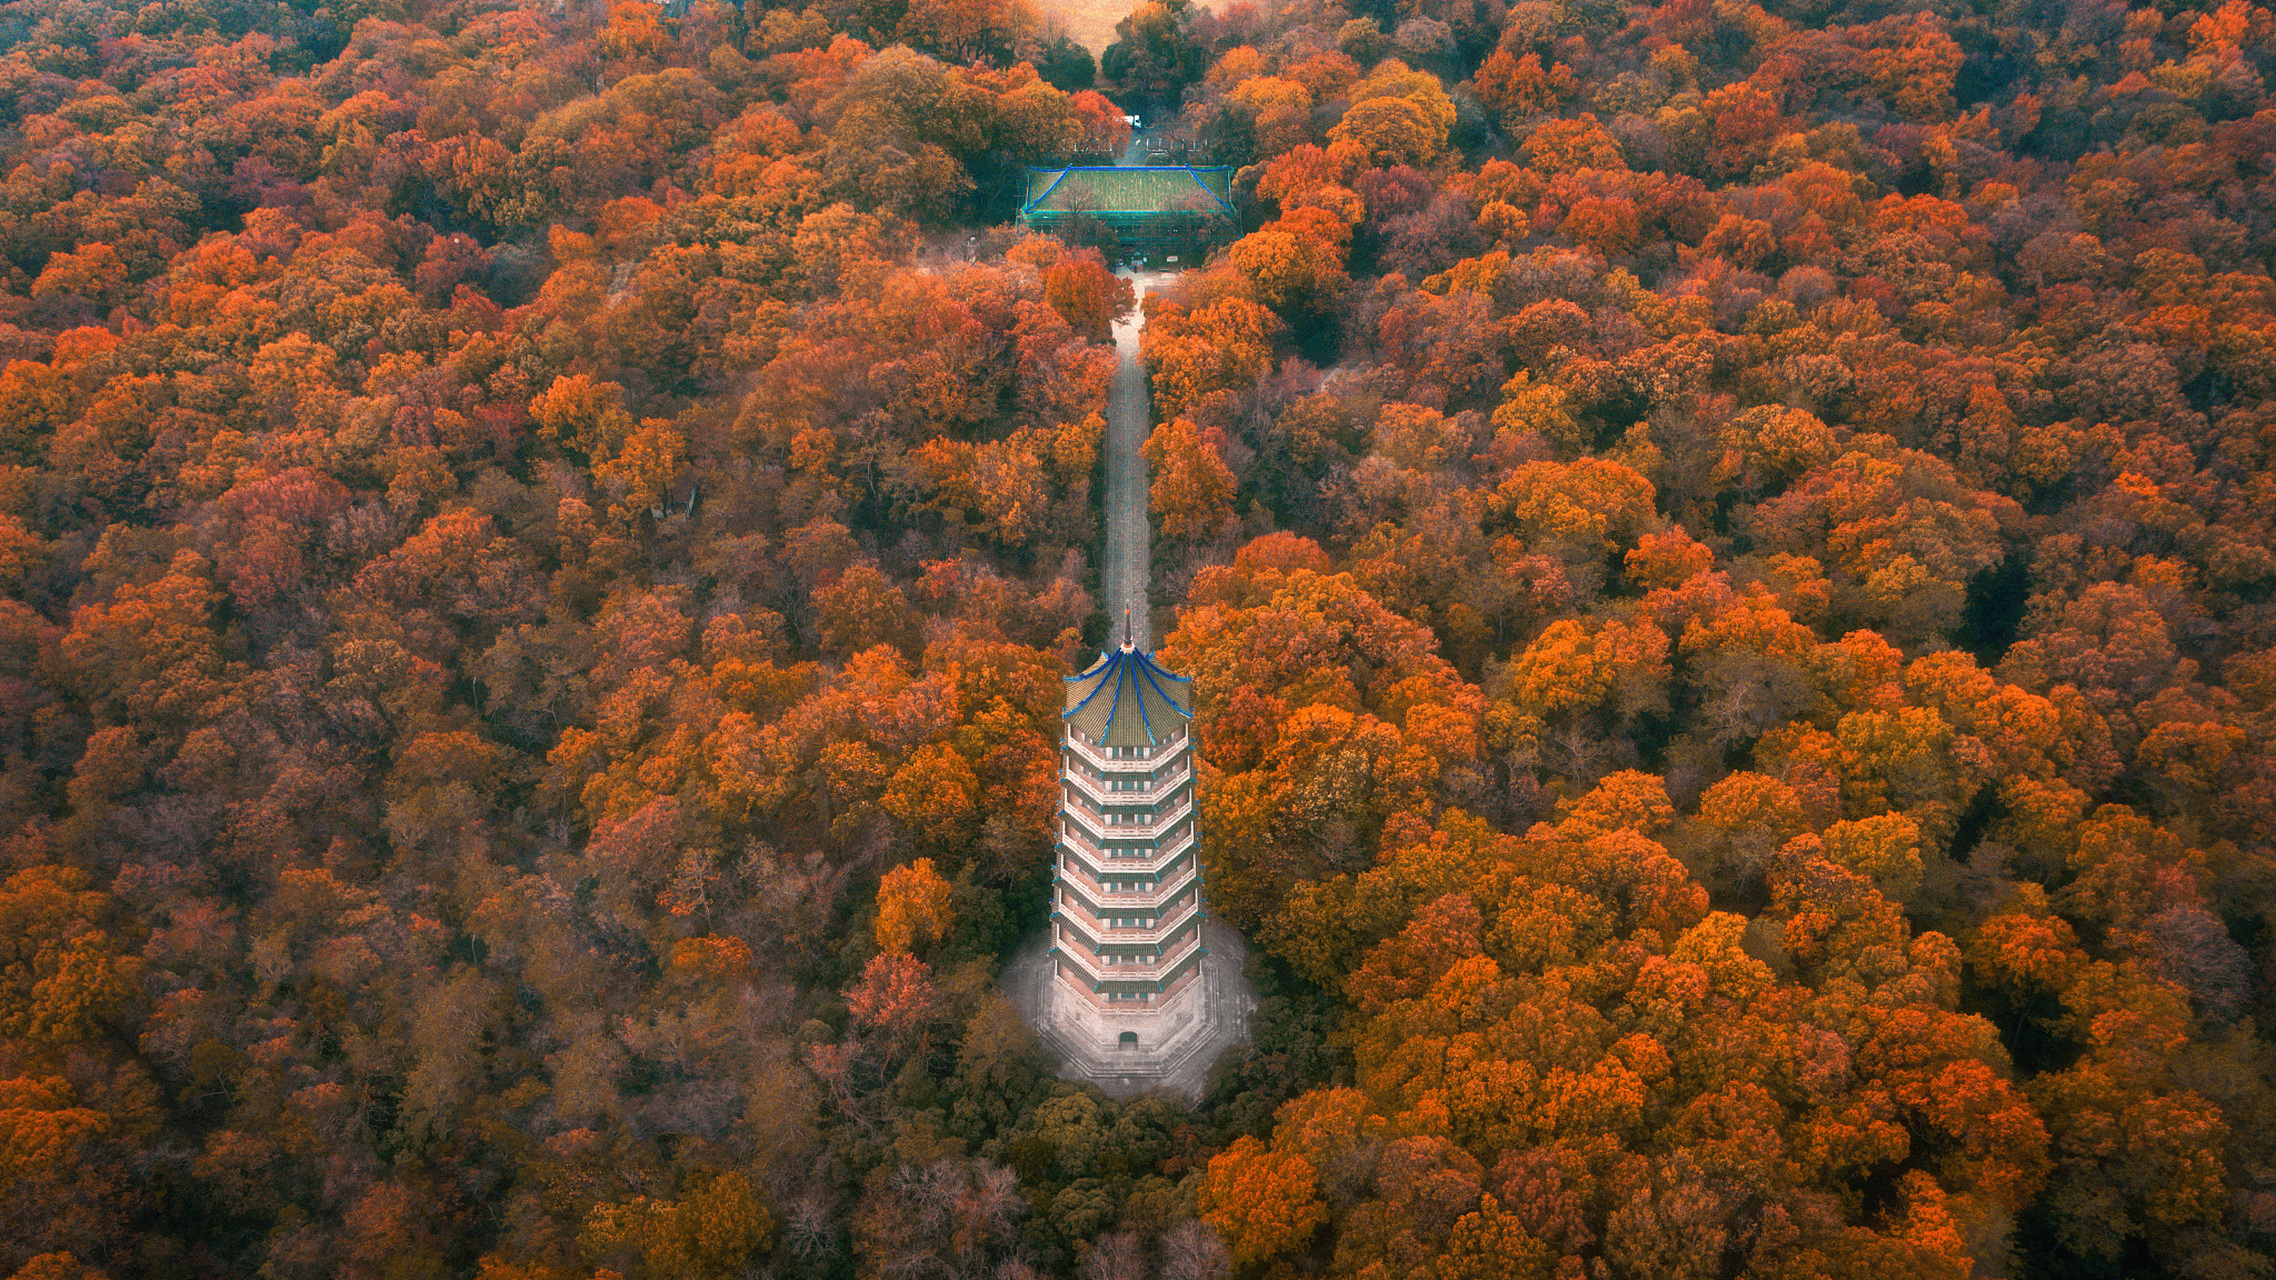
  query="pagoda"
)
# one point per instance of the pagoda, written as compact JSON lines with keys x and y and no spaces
{"x":1126,"y":910}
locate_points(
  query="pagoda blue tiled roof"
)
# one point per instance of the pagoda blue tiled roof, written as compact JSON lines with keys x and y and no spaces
{"x":1126,"y":699}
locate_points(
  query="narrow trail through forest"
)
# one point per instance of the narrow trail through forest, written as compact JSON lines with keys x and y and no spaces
{"x":1126,"y":567}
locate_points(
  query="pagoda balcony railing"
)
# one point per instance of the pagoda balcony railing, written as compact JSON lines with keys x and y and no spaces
{"x":1125,"y":859}
{"x":1146,"y":824}
{"x":1097,"y":933}
{"x":1171,"y":916}
{"x":1076,"y":869}
{"x":1075,"y":839}
{"x":1122,"y":800}
{"x":1095,"y":891}
{"x":1163,"y":975}
{"x":1155,"y":968}
{"x":1098,"y":758}
{"x":1089,"y":786}
{"x":1177,"y":734}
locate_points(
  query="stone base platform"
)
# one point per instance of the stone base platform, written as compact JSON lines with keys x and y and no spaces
{"x":1178,"y":1041}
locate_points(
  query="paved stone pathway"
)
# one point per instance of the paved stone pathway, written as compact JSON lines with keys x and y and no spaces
{"x":1126,"y":566}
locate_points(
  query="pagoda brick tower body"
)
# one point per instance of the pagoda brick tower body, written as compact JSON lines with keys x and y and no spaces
{"x":1134,"y":985}
{"x":1126,"y":911}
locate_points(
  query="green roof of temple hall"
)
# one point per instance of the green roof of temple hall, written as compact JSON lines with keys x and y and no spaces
{"x":1126,"y":699}
{"x":1129,"y":189}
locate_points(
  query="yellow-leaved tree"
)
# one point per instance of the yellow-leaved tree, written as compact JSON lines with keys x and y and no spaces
{"x":912,"y":906}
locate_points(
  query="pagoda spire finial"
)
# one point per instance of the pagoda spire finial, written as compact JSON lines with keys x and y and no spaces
{"x":1126,"y":642}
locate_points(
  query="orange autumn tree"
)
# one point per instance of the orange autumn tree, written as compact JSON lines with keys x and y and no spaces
{"x":1091,"y":298}
{"x":1193,"y":489}
{"x":1223,"y":346}
{"x":1566,"y":1116}
{"x":522,"y":525}
{"x":1316,"y":762}
{"x":1517,"y":87}
{"x":1261,"y":1201}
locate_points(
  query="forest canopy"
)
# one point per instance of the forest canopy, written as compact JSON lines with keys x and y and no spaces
{"x":1724,"y":550}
